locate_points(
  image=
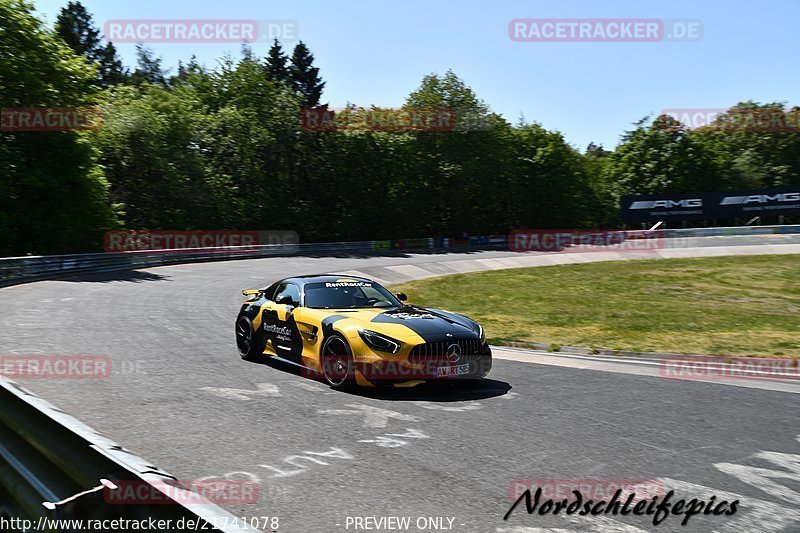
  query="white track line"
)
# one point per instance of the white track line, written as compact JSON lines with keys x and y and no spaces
{"x":643,"y":367}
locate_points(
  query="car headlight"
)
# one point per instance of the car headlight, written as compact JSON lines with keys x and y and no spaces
{"x":480,"y":333}
{"x":379,"y":342}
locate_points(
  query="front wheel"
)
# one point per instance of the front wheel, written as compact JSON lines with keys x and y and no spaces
{"x":250,"y":344}
{"x":337,"y":362}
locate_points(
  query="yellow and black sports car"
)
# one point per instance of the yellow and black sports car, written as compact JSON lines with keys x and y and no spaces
{"x":354,"y":331}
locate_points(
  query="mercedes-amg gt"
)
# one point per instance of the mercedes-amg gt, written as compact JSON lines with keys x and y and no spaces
{"x":352,"y":330}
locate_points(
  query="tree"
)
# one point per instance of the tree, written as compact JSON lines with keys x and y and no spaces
{"x":596,"y":151}
{"x":186,"y":71}
{"x":150,"y":145}
{"x":212,"y":150}
{"x":548,"y":185}
{"x":461,"y":165}
{"x":275,"y":64}
{"x":450,"y":93}
{"x":601,"y":197}
{"x":148,"y":68}
{"x":74,"y":24}
{"x":754,"y":145}
{"x":53,"y":196}
{"x":662,"y":157}
{"x":112,"y":72}
{"x":304,"y":76}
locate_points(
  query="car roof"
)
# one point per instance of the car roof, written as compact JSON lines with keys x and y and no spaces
{"x":323,"y":278}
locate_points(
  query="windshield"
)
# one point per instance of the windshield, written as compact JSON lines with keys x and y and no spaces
{"x":348,"y":294}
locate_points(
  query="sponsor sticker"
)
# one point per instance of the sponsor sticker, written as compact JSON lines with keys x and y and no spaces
{"x":406,"y":316}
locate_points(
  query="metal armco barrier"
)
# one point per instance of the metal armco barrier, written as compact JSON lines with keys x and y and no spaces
{"x":733,"y":231}
{"x":14,"y":270}
{"x":49,"y":457}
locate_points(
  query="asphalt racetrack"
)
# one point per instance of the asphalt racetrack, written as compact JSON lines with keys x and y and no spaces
{"x":448,"y":459}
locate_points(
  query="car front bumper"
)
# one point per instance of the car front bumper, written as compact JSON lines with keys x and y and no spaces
{"x":396,"y":371}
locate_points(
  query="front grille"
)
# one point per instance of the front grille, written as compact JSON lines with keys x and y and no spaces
{"x":438,"y":350}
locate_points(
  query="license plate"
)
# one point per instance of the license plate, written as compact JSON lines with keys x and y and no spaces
{"x":449,"y":371}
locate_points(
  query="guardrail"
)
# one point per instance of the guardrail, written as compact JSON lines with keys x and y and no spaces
{"x":787,"y":229}
{"x":53,"y":467}
{"x":14,"y":270}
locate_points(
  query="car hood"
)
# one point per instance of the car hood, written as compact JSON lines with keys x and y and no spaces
{"x":430,"y":324}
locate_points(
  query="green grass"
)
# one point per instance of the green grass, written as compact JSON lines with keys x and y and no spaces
{"x":718,"y":306}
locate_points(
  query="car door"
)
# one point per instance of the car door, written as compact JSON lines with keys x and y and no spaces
{"x":278,"y":323}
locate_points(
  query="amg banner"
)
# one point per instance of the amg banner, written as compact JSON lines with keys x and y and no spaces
{"x":655,"y":207}
{"x":763,"y":202}
{"x":710,"y":205}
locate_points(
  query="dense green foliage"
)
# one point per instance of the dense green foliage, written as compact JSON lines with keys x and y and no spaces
{"x":53,"y":197}
{"x":74,"y":25}
{"x":226,"y":149}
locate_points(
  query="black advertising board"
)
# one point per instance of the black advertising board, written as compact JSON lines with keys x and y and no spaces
{"x":751,"y":203}
{"x":655,"y":207}
{"x":711,"y":205}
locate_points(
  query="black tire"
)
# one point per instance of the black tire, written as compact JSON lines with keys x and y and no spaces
{"x":336,"y":359}
{"x":248,"y":341}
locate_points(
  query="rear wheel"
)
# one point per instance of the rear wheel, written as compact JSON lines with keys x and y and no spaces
{"x":337,"y":362}
{"x":249,"y":342}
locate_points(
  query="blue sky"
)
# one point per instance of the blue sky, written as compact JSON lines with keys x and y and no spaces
{"x":376,"y":52}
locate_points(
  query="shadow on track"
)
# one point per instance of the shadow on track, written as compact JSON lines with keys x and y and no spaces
{"x":438,"y":391}
{"x":431,"y":391}
{"x":135,"y":276}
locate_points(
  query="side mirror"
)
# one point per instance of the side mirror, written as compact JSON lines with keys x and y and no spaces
{"x":401,"y":296}
{"x":286,"y":300}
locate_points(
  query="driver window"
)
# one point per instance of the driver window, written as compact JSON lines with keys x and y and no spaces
{"x":288,"y":289}
{"x":370,"y":296}
{"x":359,"y":298}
